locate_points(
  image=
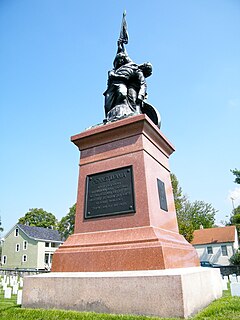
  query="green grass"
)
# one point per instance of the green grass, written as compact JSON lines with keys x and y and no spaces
{"x":226,"y":308}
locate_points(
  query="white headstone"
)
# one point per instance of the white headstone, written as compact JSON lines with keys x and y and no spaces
{"x":19,"y":297}
{"x":4,"y":286}
{"x":21,"y":282}
{"x":225,"y":278}
{"x":7,"y":280}
{"x":8,"y":293}
{"x":233,"y":278}
{"x":15,"y":288}
{"x":235,"y":288}
{"x":224,"y":284}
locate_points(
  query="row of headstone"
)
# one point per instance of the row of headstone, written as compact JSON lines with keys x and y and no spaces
{"x":8,"y":295}
{"x":234,"y":284}
{"x":234,"y":278}
{"x":11,"y":285}
{"x":11,"y":281}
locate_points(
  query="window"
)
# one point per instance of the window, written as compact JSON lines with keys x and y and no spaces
{"x":224,"y":250}
{"x":16,"y":232}
{"x":46,"y":258}
{"x":53,"y":244}
{"x":4,"y":259}
{"x":46,"y":244}
{"x":24,"y":258}
{"x":17,"y":247}
{"x":209,"y":250}
{"x":25,"y":243}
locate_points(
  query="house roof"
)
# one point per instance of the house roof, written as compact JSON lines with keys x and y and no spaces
{"x":40,"y":233}
{"x":214,"y":235}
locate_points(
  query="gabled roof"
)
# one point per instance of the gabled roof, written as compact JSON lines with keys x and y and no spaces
{"x":39,"y":233}
{"x":214,"y":235}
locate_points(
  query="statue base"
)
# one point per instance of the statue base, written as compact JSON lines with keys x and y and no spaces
{"x":162,"y":293}
{"x":125,"y":216}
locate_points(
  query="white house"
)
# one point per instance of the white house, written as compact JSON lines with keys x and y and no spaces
{"x":29,"y":247}
{"x":216,"y":245}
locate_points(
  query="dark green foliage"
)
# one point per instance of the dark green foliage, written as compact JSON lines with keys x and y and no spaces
{"x":235,"y":259}
{"x":66,"y":224}
{"x":237,"y":175}
{"x":191,"y":216}
{"x":1,"y":228}
{"x":234,"y":219}
{"x":39,"y":218}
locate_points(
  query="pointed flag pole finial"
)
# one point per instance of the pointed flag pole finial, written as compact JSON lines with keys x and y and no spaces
{"x":123,"y":38}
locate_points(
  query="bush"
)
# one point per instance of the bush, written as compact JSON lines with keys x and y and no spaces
{"x":235,"y":259}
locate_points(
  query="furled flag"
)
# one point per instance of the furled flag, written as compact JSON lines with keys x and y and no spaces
{"x":124,"y":33}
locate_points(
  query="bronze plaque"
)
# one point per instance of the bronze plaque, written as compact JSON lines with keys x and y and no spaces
{"x":109,"y":193}
{"x":162,"y":195}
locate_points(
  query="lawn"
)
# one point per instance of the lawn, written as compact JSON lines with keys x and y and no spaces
{"x":226,"y":308}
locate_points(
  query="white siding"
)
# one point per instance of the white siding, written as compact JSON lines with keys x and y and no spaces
{"x":236,"y":243}
{"x":217,"y":256}
{"x":41,"y":253}
{"x":42,"y":250}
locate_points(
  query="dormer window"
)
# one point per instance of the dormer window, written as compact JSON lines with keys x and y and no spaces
{"x":16,"y":232}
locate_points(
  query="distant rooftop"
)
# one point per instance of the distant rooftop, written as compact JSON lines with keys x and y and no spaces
{"x":40,"y":233}
{"x":214,"y":235}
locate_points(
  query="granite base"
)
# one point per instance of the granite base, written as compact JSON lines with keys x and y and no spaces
{"x":178,"y":292}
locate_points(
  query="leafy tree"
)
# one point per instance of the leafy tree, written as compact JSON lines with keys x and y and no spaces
{"x":235,"y":259}
{"x":201,"y":213}
{"x":185,"y":224}
{"x":66,"y":224}
{"x":1,"y":228}
{"x":179,"y":198}
{"x":39,"y":218}
{"x":235,"y":219}
{"x":191,"y":216}
{"x":181,"y":203}
{"x":236,"y":173}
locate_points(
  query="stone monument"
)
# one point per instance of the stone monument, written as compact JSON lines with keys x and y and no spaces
{"x":126,"y":254}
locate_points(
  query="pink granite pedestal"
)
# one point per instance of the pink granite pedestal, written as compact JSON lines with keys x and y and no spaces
{"x":146,"y":239}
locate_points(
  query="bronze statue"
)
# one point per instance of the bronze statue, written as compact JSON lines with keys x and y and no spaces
{"x":127,"y":89}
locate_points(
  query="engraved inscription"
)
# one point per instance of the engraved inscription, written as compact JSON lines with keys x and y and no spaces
{"x":109,"y":193}
{"x":162,"y":195}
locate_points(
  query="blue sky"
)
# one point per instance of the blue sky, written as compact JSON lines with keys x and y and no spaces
{"x":54,"y":59}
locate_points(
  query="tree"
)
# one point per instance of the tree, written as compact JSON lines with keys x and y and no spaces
{"x":235,"y":216}
{"x":179,"y":198}
{"x":191,"y":216}
{"x":201,"y":214}
{"x":67,"y":223}
{"x":1,"y":228}
{"x":235,"y":219}
{"x":39,"y":218}
{"x":235,"y":259}
{"x":236,"y":173}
